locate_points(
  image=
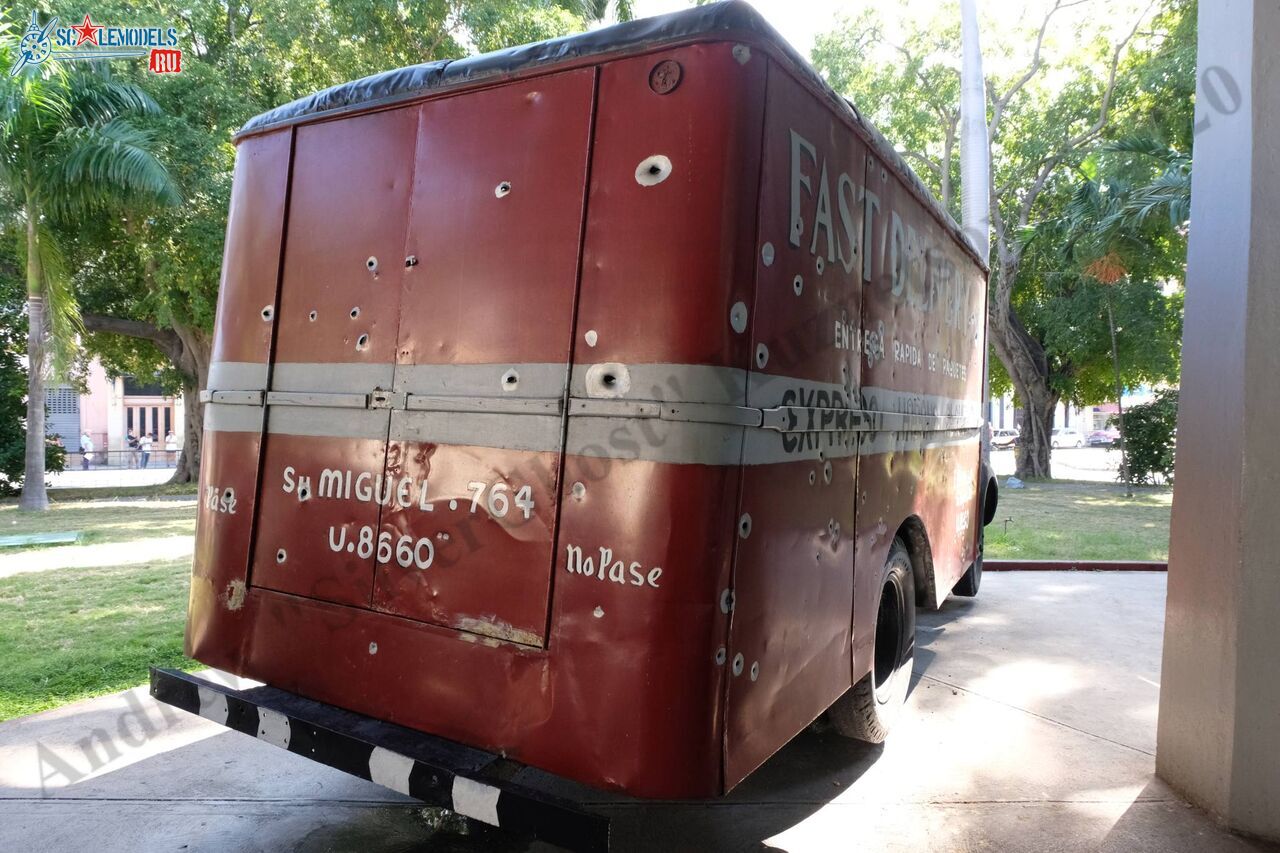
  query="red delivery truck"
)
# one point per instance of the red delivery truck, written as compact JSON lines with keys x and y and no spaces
{"x":606,"y":405}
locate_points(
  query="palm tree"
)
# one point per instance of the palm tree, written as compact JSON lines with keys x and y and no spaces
{"x":67,"y":150}
{"x":604,"y":12}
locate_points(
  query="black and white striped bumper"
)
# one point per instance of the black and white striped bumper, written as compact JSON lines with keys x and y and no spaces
{"x":441,"y":773}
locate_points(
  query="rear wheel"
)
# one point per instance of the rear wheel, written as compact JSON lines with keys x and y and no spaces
{"x":867,"y":711}
{"x":972,"y":579}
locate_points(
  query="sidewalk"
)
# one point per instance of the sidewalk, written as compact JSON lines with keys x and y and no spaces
{"x":1031,"y":727}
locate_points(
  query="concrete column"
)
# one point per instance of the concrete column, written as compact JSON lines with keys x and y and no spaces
{"x":1219,"y":731}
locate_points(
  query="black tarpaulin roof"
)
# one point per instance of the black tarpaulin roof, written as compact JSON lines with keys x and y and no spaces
{"x":730,"y":19}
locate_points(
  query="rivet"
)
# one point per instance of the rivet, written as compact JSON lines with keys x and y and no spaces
{"x":744,"y":525}
{"x":665,"y":76}
{"x":738,"y":317}
{"x":726,"y":602}
{"x":591,"y":337}
{"x":762,"y":355}
{"x":798,"y":285}
{"x":766,"y":254}
{"x":742,"y":53}
{"x":373,"y":648}
{"x":653,"y":170}
{"x":503,"y":189}
{"x":721,"y":656}
{"x":755,"y":670}
{"x":738,"y":661}
{"x":578,"y":490}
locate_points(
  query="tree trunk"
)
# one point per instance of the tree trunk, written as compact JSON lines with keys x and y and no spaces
{"x":189,"y":348}
{"x":1025,"y":361}
{"x":34,"y":496}
{"x":194,"y":364}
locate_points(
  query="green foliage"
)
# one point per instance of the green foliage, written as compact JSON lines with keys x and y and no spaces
{"x":1150,"y":431}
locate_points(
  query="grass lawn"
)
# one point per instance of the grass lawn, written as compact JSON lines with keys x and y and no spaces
{"x":1080,"y":521}
{"x":103,"y":521}
{"x":70,"y":633}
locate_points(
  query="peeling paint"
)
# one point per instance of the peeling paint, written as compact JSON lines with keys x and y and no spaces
{"x":235,"y":595}
{"x":491,"y":626}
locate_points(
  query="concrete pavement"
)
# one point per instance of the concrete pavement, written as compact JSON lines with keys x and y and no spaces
{"x":1031,"y":728}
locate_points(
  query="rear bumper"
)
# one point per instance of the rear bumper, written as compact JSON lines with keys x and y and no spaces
{"x":471,"y":782}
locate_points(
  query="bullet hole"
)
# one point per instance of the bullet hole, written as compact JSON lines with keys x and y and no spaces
{"x":721,"y":656}
{"x":762,"y":355}
{"x":267,"y":313}
{"x":741,"y":53}
{"x":797,"y":285}
{"x":373,"y":648}
{"x":726,"y":601}
{"x":813,"y":478}
{"x":503,"y":189}
{"x":744,"y":525}
{"x":738,"y":662}
{"x":362,"y":343}
{"x":355,"y":312}
{"x":510,"y":380}
{"x":755,"y":670}
{"x":578,"y":490}
{"x":312,"y":316}
{"x":281,"y":556}
{"x":826,"y":473}
{"x":304,"y":493}
{"x":411,"y":261}
{"x":372,"y":264}
{"x":738,"y":317}
{"x":820,"y":264}
{"x":766,"y":254}
{"x":608,"y":380}
{"x":591,"y":337}
{"x":598,"y":612}
{"x":653,"y":170}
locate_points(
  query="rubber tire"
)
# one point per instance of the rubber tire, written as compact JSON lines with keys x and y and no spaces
{"x":969,"y":582}
{"x":866,"y":712}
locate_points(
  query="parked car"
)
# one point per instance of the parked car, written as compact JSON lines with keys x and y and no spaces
{"x":1066,"y":437}
{"x":1003,"y":438}
{"x":1108,"y":437}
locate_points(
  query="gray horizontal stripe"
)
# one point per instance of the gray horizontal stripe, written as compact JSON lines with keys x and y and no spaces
{"x":328,"y":423}
{"x":539,"y":433}
{"x":237,"y":376}
{"x":913,"y":403}
{"x":312,"y":376}
{"x":223,"y":417}
{"x":531,"y":379}
{"x":693,"y":383}
{"x":654,"y":440}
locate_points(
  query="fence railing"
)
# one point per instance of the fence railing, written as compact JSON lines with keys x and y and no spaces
{"x":121,"y":459}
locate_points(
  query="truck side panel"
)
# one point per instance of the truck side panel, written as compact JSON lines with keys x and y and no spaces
{"x":789,"y":656}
